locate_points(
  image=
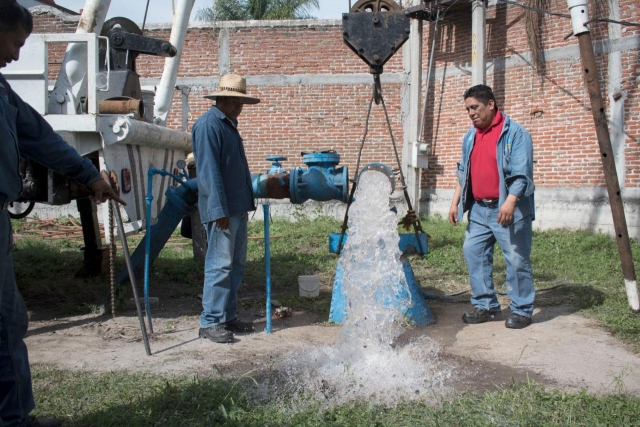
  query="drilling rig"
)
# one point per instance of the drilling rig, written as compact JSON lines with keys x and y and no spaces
{"x":97,"y":105}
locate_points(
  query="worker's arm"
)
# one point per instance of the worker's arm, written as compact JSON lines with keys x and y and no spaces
{"x":453,"y":209}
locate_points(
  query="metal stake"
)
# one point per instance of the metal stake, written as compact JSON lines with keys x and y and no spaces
{"x":132,"y":277}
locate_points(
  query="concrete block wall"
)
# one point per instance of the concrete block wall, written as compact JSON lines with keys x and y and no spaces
{"x":315,"y":93}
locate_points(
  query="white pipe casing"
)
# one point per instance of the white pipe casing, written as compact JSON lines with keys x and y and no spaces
{"x":579,"y":16}
{"x":125,"y":130}
{"x":632,"y":295}
{"x":68,"y":88}
{"x":164,"y":94}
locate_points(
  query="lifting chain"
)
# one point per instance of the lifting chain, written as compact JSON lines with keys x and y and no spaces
{"x":410,"y":219}
{"x":112,"y":179}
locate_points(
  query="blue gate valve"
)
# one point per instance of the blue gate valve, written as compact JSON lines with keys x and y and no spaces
{"x":323,"y":181}
{"x":276,"y":167}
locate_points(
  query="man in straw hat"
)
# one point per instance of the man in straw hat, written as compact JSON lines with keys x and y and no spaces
{"x":225,"y":196}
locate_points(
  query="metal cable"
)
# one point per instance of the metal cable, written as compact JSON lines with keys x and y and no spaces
{"x":415,"y":221}
{"x":364,"y":137}
{"x":395,"y":150}
{"x":353,"y":187}
{"x":144,"y":20}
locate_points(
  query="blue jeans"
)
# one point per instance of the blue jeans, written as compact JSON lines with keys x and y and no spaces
{"x":223,"y":270}
{"x":483,"y":231}
{"x":16,"y":396}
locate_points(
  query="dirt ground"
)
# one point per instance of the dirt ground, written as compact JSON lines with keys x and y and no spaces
{"x":562,"y":350}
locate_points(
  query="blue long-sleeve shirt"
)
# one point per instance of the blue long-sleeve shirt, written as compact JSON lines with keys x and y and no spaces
{"x":24,"y":132}
{"x":515,"y":166}
{"x":224,"y":180}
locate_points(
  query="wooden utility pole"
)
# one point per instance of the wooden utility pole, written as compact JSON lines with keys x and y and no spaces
{"x":579,"y":19}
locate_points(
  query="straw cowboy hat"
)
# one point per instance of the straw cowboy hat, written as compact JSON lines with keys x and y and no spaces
{"x":235,"y":86}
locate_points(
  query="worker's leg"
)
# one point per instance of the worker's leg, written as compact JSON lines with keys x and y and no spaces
{"x":515,"y":241}
{"x":478,"y":252}
{"x":16,"y":395}
{"x":217,"y":274}
{"x":239,"y":224}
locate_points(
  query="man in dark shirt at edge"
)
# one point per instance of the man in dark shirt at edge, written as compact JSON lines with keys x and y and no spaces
{"x":24,"y":132}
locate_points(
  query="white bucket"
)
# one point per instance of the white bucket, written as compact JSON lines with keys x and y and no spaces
{"x":309,"y":286}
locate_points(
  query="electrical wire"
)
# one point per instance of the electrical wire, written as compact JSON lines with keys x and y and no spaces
{"x":144,"y":20}
{"x":565,"y":15}
{"x":450,"y":297}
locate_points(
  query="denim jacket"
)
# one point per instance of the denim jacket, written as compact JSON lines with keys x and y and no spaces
{"x":24,"y":132}
{"x":515,"y":167}
{"x":224,"y":180}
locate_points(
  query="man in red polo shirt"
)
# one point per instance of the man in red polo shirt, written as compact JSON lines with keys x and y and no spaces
{"x":495,"y":185}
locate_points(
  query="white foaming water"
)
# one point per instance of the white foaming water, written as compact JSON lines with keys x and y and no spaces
{"x":372,"y":273}
{"x":364,"y":365}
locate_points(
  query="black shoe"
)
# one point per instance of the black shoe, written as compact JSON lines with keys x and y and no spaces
{"x":43,"y":422}
{"x":480,"y":315}
{"x":516,"y":321}
{"x":216,"y":334}
{"x":240,"y":327}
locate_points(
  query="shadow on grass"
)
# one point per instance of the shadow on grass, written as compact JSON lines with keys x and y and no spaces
{"x":135,"y":400}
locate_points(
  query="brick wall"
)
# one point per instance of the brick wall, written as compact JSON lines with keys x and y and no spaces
{"x":330,"y":112}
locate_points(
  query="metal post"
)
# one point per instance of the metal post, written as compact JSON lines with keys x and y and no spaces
{"x":185,"y":108}
{"x":267,"y":266}
{"x":478,"y":45}
{"x":132,"y":277}
{"x":579,"y":19}
{"x":413,"y":161}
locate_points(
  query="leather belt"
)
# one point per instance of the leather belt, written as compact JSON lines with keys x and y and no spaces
{"x":5,"y":206}
{"x":489,"y":202}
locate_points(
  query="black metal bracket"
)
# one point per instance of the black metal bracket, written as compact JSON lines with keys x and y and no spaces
{"x":125,"y":47}
{"x":427,"y":11}
{"x":375,"y":37}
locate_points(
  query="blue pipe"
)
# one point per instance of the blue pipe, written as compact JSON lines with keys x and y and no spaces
{"x":181,"y":202}
{"x":267,"y":265}
{"x":147,"y":248}
{"x":322,"y":181}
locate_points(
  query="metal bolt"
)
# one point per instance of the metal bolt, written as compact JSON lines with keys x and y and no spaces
{"x":407,"y":30}
{"x":376,"y":57}
{"x":166,"y":47}
{"x":60,"y":99}
{"x":375,"y":20}
{"x":117,"y":39}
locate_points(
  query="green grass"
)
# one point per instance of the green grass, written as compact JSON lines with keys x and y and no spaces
{"x":582,"y":268}
{"x":121,"y":399}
